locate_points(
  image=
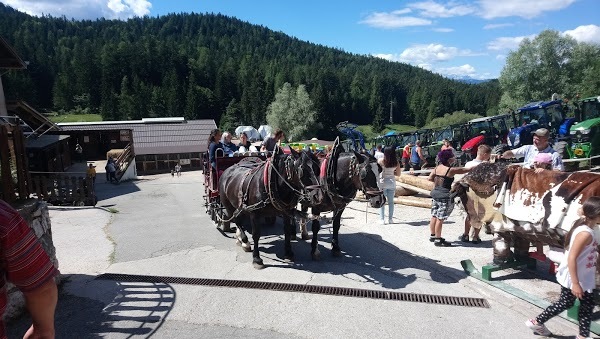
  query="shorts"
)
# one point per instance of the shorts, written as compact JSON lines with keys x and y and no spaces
{"x":441,"y":208}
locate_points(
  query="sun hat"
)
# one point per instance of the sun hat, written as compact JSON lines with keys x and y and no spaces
{"x":543,"y":158}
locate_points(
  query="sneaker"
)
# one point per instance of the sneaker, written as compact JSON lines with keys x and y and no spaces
{"x":441,"y":242}
{"x":381,"y":222}
{"x":432,"y":238}
{"x":537,"y":328}
{"x":390,"y":221}
{"x":476,"y":240}
{"x":464,"y":238}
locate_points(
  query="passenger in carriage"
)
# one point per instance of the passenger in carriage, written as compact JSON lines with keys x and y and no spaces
{"x":228,"y":147}
{"x":214,"y":143}
{"x":270,"y":143}
{"x":244,"y":144}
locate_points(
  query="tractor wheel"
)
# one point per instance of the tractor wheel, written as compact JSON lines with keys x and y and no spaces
{"x":500,"y":148}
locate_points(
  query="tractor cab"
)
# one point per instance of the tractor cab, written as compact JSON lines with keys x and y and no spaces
{"x":491,"y":131}
{"x":585,"y":136}
{"x":547,"y":114}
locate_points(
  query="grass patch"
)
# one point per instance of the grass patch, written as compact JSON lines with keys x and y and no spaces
{"x":76,"y":118}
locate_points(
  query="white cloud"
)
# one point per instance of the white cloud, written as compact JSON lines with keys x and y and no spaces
{"x":420,"y":54}
{"x":490,"y":9}
{"x":389,"y":57}
{"x":433,"y":9}
{"x":83,"y":9}
{"x":443,"y":30}
{"x":500,"y":56}
{"x":506,"y":43}
{"x":393,"y":20}
{"x":458,"y":71}
{"x":588,"y":33}
{"x":495,"y":26}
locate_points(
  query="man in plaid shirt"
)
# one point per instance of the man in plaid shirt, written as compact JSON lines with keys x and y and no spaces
{"x":24,"y":263}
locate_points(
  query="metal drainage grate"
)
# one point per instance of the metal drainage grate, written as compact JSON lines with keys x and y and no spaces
{"x":285,"y":287}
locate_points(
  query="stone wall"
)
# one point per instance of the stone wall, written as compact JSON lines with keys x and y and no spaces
{"x":35,"y":212}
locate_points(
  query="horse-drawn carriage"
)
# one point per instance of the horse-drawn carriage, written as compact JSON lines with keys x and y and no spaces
{"x":245,"y":188}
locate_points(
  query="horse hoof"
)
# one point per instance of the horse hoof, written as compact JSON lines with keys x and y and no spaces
{"x":336,"y":253}
{"x":258,"y":264}
{"x":288,"y":258}
{"x":293,"y":236}
{"x":246,"y":247}
{"x":316,"y":256}
{"x":306,"y":236}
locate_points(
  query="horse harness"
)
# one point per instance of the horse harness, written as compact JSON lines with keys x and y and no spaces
{"x":329,"y":175}
{"x":254,"y":166}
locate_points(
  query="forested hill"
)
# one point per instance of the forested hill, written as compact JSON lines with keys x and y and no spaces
{"x":196,"y":65}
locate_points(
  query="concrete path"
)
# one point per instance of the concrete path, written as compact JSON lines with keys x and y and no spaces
{"x":161,"y":229}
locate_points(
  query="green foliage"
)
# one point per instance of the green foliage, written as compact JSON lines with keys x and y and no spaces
{"x":550,"y":63}
{"x":378,"y":120}
{"x":230,"y":119}
{"x":193,"y":65}
{"x":458,"y":117}
{"x":293,"y":112}
{"x":76,"y":118}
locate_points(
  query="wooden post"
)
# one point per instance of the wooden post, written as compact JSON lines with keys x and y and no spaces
{"x":19,"y":151}
{"x":8,"y":192}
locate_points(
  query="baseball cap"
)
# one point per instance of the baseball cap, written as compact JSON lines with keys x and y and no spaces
{"x":543,"y":158}
{"x":541,"y":132}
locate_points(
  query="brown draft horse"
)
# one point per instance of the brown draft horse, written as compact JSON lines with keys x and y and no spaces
{"x":268,"y":188}
{"x":342,"y":174}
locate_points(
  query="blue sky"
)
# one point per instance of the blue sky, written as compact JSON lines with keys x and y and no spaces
{"x":453,"y":38}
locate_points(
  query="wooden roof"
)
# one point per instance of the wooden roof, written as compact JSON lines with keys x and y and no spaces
{"x":9,"y":59}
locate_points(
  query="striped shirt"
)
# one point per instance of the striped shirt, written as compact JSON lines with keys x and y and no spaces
{"x":23,"y":261}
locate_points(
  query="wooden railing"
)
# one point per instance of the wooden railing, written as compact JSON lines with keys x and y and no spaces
{"x":14,"y":174}
{"x":61,"y":188}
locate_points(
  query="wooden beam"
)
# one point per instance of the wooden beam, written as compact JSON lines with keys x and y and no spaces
{"x":8,"y":192}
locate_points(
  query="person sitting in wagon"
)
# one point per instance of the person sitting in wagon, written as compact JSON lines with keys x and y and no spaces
{"x":214,"y":143}
{"x":228,"y":147}
{"x":271,"y":142}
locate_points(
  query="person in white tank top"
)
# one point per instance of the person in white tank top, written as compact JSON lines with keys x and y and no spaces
{"x":387,"y":182}
{"x":577,"y":273}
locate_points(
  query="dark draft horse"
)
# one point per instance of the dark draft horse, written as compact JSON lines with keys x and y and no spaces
{"x":268,"y":188}
{"x":342,"y":175}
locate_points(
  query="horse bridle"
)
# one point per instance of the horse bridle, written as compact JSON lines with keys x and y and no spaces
{"x":291,"y":170}
{"x":360,"y":170}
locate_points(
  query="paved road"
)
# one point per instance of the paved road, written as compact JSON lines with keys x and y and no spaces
{"x":161,"y":229}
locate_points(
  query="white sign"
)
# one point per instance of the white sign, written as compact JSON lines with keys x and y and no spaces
{"x":184,"y":161}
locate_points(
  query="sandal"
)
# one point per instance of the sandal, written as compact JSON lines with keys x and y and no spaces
{"x":476,"y":240}
{"x":441,"y":242}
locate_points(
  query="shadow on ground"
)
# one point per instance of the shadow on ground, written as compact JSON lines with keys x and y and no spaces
{"x":128,"y":308}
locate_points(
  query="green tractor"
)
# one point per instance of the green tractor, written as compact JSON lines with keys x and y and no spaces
{"x":585,"y":135}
